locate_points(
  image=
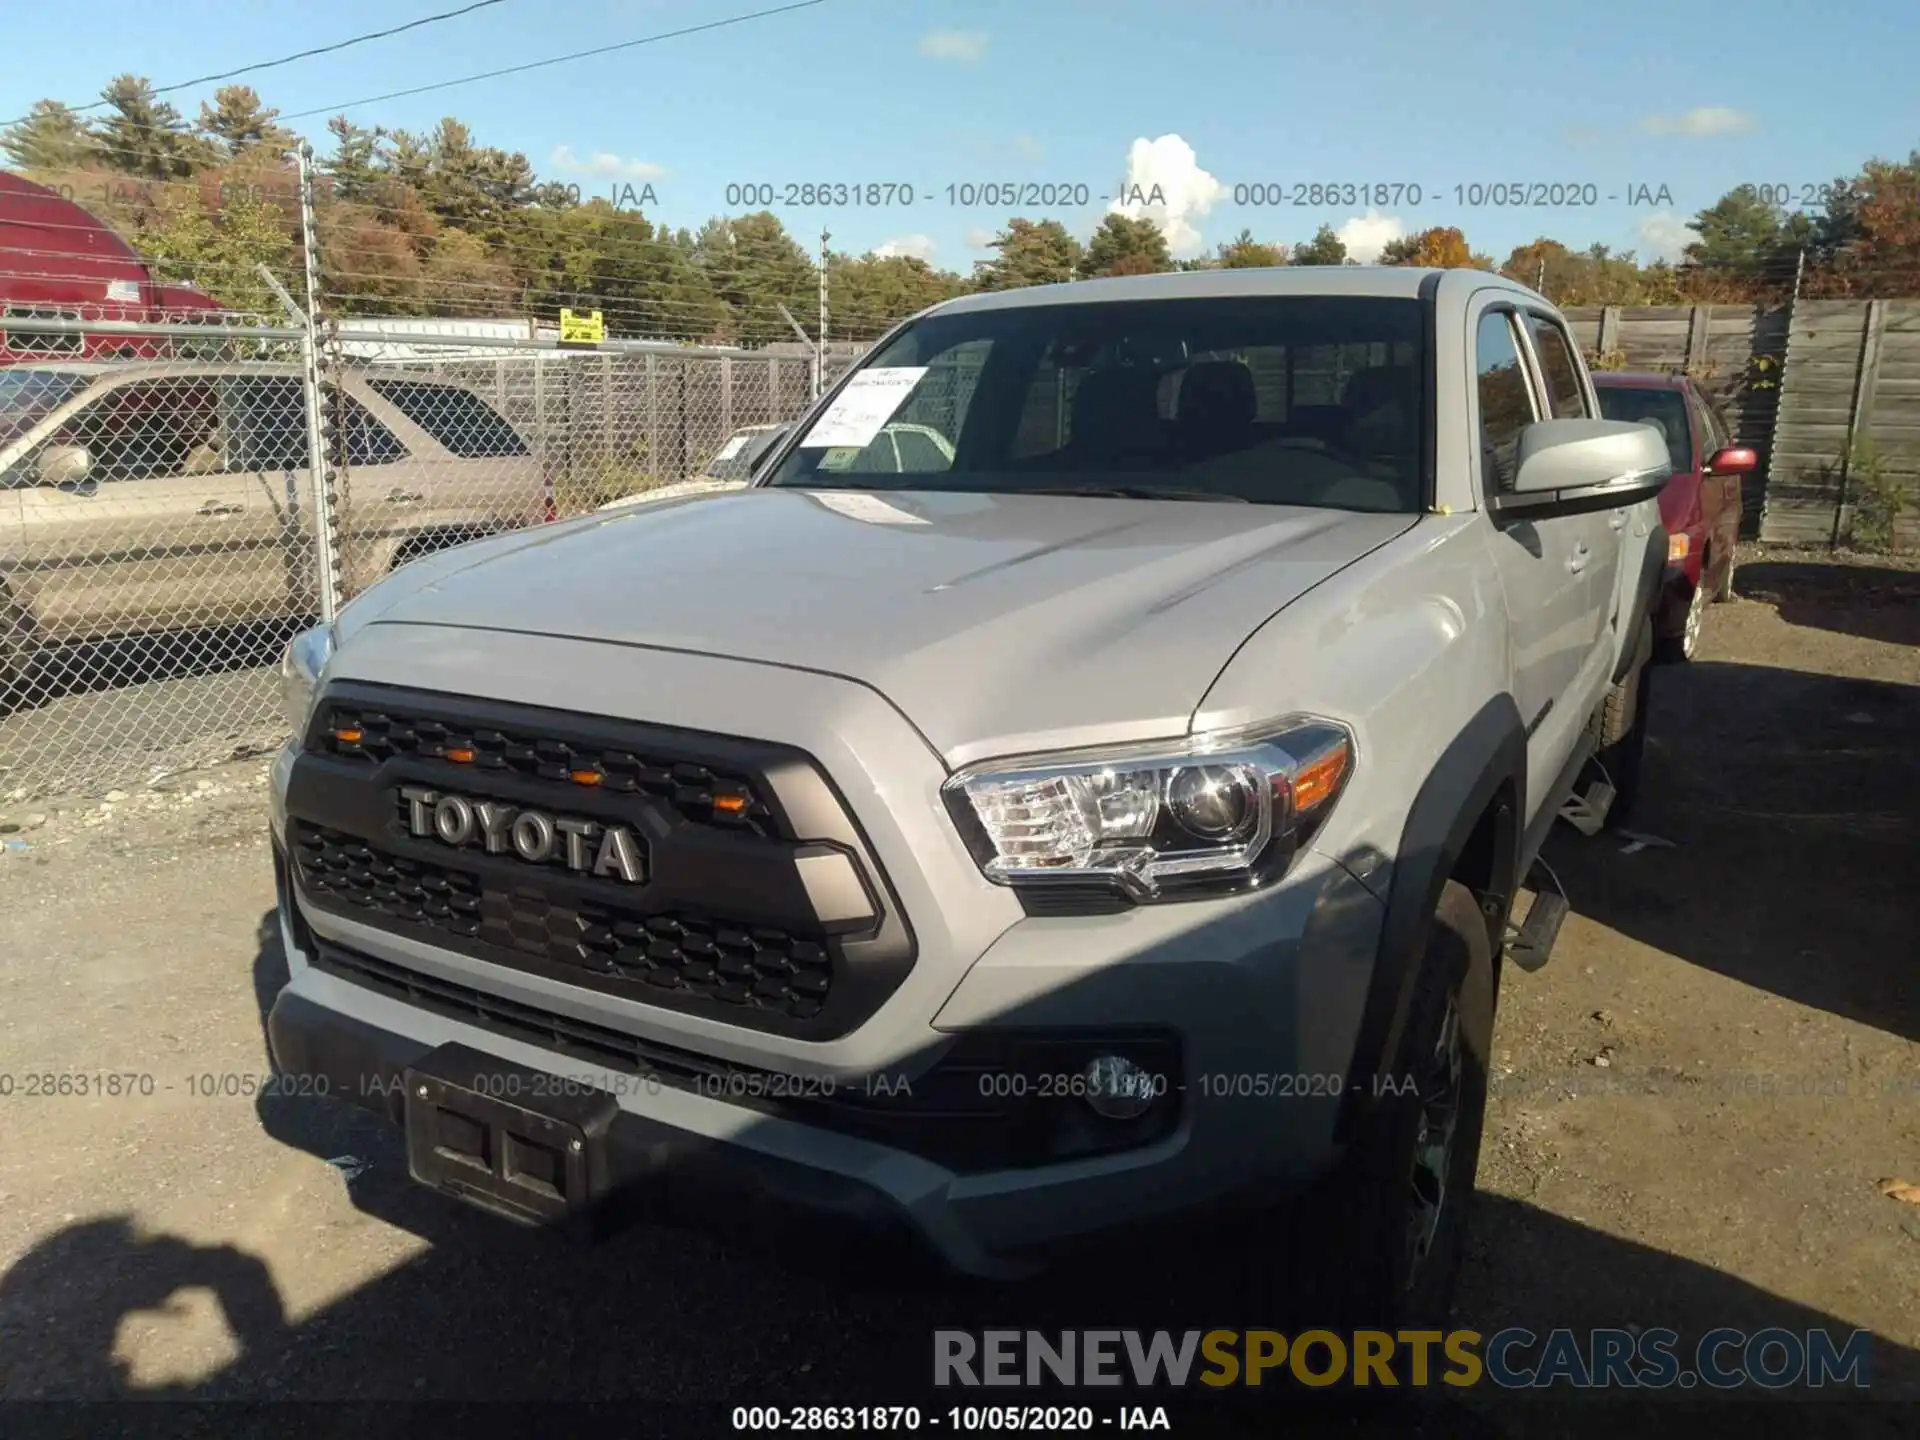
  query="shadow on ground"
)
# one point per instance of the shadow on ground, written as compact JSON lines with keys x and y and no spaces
{"x":1792,"y":801}
{"x":496,"y":1314}
{"x":82,"y":669}
{"x":1875,"y":602}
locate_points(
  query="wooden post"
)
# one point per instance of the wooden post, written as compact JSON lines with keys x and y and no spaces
{"x":1860,"y":416}
{"x":1697,"y":337}
{"x":1609,"y":329}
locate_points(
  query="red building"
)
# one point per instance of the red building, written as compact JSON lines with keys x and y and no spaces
{"x":58,"y":260}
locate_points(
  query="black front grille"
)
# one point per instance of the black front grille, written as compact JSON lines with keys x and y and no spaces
{"x":699,"y":792}
{"x":618,"y":950}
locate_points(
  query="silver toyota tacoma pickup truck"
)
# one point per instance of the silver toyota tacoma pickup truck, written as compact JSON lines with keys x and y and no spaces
{"x":1105,"y":804}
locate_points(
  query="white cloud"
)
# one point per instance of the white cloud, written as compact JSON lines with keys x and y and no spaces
{"x":918,"y":247}
{"x":1365,"y":236}
{"x":965,"y":46}
{"x":1665,"y":237}
{"x":1165,"y":184}
{"x":979,"y":239}
{"x":603,"y":162}
{"x":1702,"y":120}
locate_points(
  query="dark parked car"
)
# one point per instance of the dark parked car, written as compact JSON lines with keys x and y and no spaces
{"x":1701,"y":504}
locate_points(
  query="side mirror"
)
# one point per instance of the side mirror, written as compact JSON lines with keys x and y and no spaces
{"x":765,"y":446}
{"x":1734,"y":460}
{"x":66,"y":466}
{"x":1575,"y":467}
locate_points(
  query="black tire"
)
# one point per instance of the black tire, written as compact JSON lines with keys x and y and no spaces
{"x":1379,"y":1244}
{"x":16,"y":656}
{"x":1678,"y":649}
{"x":1623,"y":741}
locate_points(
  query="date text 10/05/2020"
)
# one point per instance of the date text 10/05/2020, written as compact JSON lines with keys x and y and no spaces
{"x":1316,"y":195}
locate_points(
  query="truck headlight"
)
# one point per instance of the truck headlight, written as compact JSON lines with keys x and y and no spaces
{"x":306,"y":656}
{"x":1220,"y":811}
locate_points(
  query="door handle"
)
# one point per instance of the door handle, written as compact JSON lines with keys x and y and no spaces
{"x":221,"y":507}
{"x":1577,"y":561}
{"x":397,"y":496}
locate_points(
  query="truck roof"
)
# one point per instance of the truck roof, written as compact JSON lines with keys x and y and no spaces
{"x":1387,"y":281}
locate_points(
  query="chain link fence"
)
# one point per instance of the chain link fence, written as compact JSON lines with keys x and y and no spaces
{"x":162,"y":535}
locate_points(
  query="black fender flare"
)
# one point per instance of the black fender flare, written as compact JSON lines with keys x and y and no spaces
{"x":1484,"y":765}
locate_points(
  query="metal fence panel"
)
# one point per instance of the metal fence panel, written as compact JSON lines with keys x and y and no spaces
{"x":158,"y":534}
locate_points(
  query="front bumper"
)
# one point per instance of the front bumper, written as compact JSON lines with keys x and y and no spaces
{"x":1262,"y":995}
{"x":1250,"y":1129}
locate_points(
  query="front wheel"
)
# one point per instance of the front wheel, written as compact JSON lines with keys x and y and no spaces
{"x":1380,"y":1242}
{"x":16,"y":655}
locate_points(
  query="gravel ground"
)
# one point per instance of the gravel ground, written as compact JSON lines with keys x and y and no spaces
{"x":1694,"y":1108}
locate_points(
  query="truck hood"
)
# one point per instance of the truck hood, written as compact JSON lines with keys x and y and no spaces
{"x":994,"y":623}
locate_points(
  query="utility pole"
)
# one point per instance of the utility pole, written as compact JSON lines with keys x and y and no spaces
{"x":819,"y":355}
{"x":1540,"y":276}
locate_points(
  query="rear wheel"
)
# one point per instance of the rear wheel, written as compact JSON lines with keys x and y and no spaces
{"x":1676,"y":649}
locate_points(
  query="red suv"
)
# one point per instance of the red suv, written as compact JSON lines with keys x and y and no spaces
{"x":1700,"y":507}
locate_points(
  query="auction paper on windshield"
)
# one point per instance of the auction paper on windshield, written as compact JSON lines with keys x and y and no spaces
{"x":866,"y":404}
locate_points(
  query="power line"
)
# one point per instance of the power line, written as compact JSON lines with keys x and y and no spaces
{"x":555,"y":60}
{"x":300,"y":55}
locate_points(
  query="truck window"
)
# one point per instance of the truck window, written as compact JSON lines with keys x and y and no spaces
{"x":455,"y":417}
{"x":1506,"y":404}
{"x":1562,"y":375}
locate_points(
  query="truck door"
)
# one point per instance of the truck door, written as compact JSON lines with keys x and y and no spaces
{"x":1542,"y":573}
{"x":1605,"y":536}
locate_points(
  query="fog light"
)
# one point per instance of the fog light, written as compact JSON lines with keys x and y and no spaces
{"x":1118,"y":1089}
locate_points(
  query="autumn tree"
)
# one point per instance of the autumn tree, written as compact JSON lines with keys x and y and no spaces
{"x":1326,"y":248}
{"x":1243,"y":252}
{"x":1031,"y":252}
{"x":218,"y":248}
{"x":1123,"y":245}
{"x":49,"y":140}
{"x":1441,"y":247}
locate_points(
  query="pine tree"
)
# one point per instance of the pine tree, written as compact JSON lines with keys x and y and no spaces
{"x":49,"y":140}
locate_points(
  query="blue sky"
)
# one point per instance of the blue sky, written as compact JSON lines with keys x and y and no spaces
{"x":1692,"y":95}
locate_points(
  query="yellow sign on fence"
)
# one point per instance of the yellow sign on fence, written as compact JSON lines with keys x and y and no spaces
{"x":582,"y":329}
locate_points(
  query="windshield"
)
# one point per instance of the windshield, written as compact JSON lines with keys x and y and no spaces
{"x":26,"y":395}
{"x":1309,"y":400}
{"x":1664,"y":410}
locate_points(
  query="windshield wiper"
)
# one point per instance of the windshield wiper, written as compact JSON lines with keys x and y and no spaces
{"x":1138,"y":492}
